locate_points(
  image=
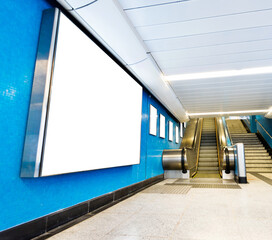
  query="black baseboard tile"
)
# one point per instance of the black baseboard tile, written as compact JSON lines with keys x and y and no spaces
{"x":136,"y":187}
{"x":25,"y":231}
{"x":47,"y":226}
{"x":66,"y":215}
{"x":100,"y":201}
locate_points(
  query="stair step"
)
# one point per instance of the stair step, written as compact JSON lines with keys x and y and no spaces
{"x":262,"y":165}
{"x":246,"y":138}
{"x":258,"y":161}
{"x":208,"y":168}
{"x":205,"y":155}
{"x":208,"y":164}
{"x":208,"y":148}
{"x":248,"y":143}
{"x":258,"y":158}
{"x":256,"y":154}
{"x":253,"y":148}
{"x":240,"y":134}
{"x":259,"y":170}
{"x":207,"y":144}
{"x":207,"y":160}
{"x":208,"y":172}
{"x":244,"y":135}
{"x":253,"y":145}
{"x":255,"y":151}
{"x":208,"y":151}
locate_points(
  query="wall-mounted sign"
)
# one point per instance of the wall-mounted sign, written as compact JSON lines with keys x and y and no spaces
{"x":77,"y":91}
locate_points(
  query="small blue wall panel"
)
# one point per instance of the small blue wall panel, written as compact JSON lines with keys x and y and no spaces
{"x":23,"y":200}
{"x":267,"y":124}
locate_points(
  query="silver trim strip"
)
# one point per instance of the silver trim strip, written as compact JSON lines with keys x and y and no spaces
{"x":33,"y":145}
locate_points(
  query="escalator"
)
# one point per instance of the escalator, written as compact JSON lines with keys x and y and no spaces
{"x":208,"y":166}
{"x":198,"y":155}
{"x":206,"y":151}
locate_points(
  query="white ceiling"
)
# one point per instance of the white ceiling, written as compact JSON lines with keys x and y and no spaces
{"x":196,"y":36}
{"x":189,"y":36}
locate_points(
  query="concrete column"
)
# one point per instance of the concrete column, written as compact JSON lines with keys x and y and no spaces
{"x":253,"y":125}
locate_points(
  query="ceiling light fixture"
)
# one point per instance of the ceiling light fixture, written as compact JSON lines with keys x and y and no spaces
{"x":217,"y":74}
{"x":228,"y":113}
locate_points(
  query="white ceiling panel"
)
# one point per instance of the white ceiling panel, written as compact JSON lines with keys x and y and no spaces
{"x":251,"y":92}
{"x":210,"y":39}
{"x":186,"y":61}
{"x":211,"y":93}
{"x":135,"y":4}
{"x":247,"y":82}
{"x":217,"y":67}
{"x":247,"y":96}
{"x":235,"y":48}
{"x":207,"y":25}
{"x":111,"y":29}
{"x":253,"y":78}
{"x":191,"y":10}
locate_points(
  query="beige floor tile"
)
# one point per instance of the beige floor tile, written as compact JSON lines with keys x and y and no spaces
{"x":148,"y":225}
{"x":212,"y":214}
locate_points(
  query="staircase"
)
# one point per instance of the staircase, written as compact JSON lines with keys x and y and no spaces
{"x":256,"y":156}
{"x":208,"y":160}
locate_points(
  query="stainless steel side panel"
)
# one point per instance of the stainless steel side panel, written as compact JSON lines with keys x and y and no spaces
{"x":32,"y":154}
{"x":171,"y":159}
{"x":192,"y":144}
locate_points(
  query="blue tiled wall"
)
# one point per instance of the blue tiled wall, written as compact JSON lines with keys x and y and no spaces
{"x":267,"y":124}
{"x":23,"y":200}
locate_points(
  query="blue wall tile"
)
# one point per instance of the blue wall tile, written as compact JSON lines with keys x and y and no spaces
{"x":23,"y":200}
{"x":267,"y":124}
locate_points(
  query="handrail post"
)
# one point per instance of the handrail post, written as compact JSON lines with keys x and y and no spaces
{"x":240,"y":171}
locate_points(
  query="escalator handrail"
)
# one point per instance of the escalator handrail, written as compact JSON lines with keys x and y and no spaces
{"x":227,"y":160}
{"x":227,"y":133}
{"x":194,"y":141}
{"x":183,"y":168}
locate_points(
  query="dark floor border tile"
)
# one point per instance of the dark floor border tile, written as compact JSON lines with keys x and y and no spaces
{"x":47,"y":226}
{"x":263,"y":178}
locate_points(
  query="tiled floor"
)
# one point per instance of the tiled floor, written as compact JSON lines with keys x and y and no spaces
{"x":200,"y":213}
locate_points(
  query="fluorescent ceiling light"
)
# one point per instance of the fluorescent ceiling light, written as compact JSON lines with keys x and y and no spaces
{"x":269,"y":114}
{"x":227,"y":113}
{"x":229,"y":73}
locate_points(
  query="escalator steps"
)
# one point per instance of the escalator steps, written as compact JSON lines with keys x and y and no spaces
{"x":208,"y":160}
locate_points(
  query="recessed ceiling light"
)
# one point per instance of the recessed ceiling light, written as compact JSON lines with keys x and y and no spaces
{"x":227,"y":113}
{"x":229,"y":73}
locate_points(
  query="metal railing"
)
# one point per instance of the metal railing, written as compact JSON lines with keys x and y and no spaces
{"x":263,"y":128}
